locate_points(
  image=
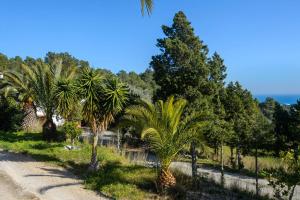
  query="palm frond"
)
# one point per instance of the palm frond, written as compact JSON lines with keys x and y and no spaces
{"x":146,"y":5}
{"x":165,"y":126}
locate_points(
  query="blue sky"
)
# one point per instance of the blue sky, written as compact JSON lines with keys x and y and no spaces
{"x":259,"y":39}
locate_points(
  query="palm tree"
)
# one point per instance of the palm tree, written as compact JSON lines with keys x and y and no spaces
{"x":147,"y":5}
{"x":167,"y":130}
{"x":37,"y":83}
{"x":17,"y":85}
{"x":102,"y":100}
{"x":66,"y":97}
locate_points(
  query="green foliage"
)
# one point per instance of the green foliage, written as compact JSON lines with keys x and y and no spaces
{"x":284,"y":180}
{"x":281,"y":122}
{"x":165,"y":126}
{"x":142,"y":84}
{"x":241,"y":110}
{"x":36,"y":83}
{"x":68,"y":61}
{"x":181,"y":69}
{"x":103,"y":98}
{"x":72,"y":130}
{"x":10,"y":114}
{"x":268,"y":107}
{"x":294,"y":136}
{"x":262,"y":135}
{"x":67,"y":99}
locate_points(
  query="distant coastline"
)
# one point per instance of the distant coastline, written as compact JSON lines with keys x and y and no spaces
{"x":283,"y":99}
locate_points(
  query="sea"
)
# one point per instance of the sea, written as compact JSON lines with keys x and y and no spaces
{"x":282,"y":99}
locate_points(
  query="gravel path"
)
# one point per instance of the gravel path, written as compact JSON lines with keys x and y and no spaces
{"x":24,"y":178}
{"x":11,"y":191}
{"x":231,"y":180}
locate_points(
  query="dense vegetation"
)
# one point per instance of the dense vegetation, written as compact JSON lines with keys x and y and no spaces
{"x":181,"y":102}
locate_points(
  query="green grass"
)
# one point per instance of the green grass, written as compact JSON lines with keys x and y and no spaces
{"x":116,"y":178}
{"x":264,"y":162}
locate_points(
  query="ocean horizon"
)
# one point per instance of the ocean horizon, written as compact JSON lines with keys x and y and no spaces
{"x":282,"y":99}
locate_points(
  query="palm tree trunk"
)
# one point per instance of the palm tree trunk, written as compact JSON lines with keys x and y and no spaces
{"x":256,"y":172}
{"x":30,"y":121}
{"x":94,"y":164}
{"x":49,"y":130}
{"x":165,"y":180}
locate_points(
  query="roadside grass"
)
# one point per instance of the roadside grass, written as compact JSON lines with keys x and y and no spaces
{"x":209,"y":160}
{"x":116,"y":178}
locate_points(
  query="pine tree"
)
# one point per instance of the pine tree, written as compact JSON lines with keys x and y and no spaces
{"x":281,"y":121}
{"x":294,"y":137}
{"x":181,"y":69}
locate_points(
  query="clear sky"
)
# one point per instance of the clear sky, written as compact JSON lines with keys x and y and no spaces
{"x":259,"y":39}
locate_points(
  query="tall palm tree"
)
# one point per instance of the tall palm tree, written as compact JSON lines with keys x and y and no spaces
{"x":167,"y":129}
{"x":146,"y":5}
{"x":102,"y":100}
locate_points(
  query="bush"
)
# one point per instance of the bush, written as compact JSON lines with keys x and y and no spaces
{"x":72,"y":130}
{"x":11,"y":114}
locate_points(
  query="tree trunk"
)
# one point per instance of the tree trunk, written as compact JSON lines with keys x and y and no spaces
{"x":73,"y":142}
{"x":94,"y":164}
{"x":119,"y":141}
{"x":232,"y":157}
{"x":296,"y":153}
{"x":215,"y":157}
{"x":217,"y":153}
{"x":165,"y":180}
{"x":49,"y":130}
{"x":30,"y":120}
{"x":256,"y":172}
{"x":277,"y":147}
{"x":194,"y":162}
{"x":222,"y":165}
{"x":239,"y":158}
{"x":236,"y":158}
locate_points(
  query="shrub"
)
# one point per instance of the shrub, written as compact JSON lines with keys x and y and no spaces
{"x":72,"y":130}
{"x":10,"y":114}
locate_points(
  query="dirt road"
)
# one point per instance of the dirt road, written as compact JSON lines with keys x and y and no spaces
{"x":11,"y":191}
{"x":24,"y":178}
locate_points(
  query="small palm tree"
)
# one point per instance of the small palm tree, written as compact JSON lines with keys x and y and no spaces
{"x":167,"y":130}
{"x":67,"y":98}
{"x":16,"y":84}
{"x":102,"y":100}
{"x":37,"y":83}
